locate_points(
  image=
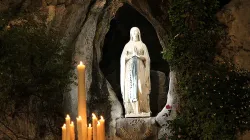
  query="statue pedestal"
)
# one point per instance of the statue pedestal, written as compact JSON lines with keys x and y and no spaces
{"x":141,"y":115}
{"x":136,"y":129}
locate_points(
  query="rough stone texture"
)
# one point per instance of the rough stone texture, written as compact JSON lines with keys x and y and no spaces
{"x":235,"y":16}
{"x":167,"y":114}
{"x":245,"y":137}
{"x":116,"y":112}
{"x":9,"y":4}
{"x":156,"y":13}
{"x":236,"y":47}
{"x":158,"y":95}
{"x":136,"y":129}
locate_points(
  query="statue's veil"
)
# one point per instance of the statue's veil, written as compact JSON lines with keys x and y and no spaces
{"x":131,"y":30}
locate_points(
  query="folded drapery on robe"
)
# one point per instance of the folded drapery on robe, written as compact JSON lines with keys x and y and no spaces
{"x":134,"y":79}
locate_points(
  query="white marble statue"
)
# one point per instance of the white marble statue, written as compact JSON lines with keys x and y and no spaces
{"x":135,"y":76}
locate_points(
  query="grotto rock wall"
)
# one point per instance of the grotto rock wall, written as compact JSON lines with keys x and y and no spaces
{"x":236,"y":46}
{"x":84,"y":23}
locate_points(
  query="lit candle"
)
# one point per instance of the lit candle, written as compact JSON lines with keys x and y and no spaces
{"x":89,"y":132}
{"x":67,"y":127}
{"x":82,"y":98}
{"x":98,"y":130}
{"x":72,"y":131}
{"x":94,"y":124}
{"x":102,"y":128}
{"x":64,"y":132}
{"x":85,"y":131}
{"x":79,"y":127}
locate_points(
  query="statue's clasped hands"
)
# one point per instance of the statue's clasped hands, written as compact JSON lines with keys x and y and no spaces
{"x":138,"y":56}
{"x":135,"y":54}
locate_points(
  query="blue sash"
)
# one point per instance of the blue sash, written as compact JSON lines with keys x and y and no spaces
{"x":134,"y":80}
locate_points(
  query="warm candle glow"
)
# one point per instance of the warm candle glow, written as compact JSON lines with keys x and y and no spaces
{"x":90,"y":133}
{"x":82,"y":105}
{"x":67,"y":127}
{"x":64,"y":132}
{"x":94,"y":124}
{"x":102,"y":118}
{"x":98,"y":130}
{"x":72,"y":131}
{"x":102,"y":129}
{"x":93,"y":115}
{"x":79,"y":128}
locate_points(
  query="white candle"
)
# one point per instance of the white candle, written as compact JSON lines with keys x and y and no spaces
{"x":79,"y":128}
{"x":94,"y":124}
{"x":90,"y":132}
{"x":102,"y":128}
{"x":67,"y":127}
{"x":72,"y":131}
{"x":98,"y":130}
{"x":82,"y":98}
{"x":64,"y":132}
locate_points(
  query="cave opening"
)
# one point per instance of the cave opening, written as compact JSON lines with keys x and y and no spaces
{"x":115,"y":40}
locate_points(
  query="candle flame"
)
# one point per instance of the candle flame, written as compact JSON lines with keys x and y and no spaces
{"x":80,"y":62}
{"x":90,"y":125}
{"x":64,"y":126}
{"x":79,"y":118}
{"x":98,"y":123}
{"x":102,"y":118}
{"x":67,"y":116}
{"x":93,"y":115}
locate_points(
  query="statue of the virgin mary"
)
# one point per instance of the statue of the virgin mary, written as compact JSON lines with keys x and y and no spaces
{"x":135,"y":76}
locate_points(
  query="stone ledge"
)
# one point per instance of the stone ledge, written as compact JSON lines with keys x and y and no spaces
{"x":140,"y":115}
{"x":136,"y":128}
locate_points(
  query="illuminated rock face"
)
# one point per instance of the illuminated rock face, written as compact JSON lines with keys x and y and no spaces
{"x":237,"y":47}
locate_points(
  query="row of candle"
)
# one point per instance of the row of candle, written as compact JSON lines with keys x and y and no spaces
{"x":84,"y":132}
{"x":95,"y":133}
{"x":68,"y":130}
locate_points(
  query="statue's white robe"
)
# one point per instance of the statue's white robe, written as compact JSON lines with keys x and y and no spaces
{"x":144,"y":86}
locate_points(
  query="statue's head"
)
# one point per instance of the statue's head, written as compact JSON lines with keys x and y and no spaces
{"x":135,"y":34}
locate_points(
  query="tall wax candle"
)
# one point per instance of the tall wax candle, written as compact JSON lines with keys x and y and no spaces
{"x":94,"y":124}
{"x":102,"y":128}
{"x":72,"y":131}
{"x":90,"y":132}
{"x":67,"y":119}
{"x":79,"y":128}
{"x":98,"y":130}
{"x":64,"y":132}
{"x":82,"y":98}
